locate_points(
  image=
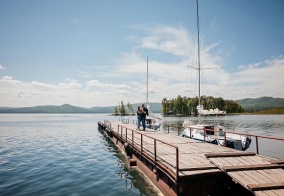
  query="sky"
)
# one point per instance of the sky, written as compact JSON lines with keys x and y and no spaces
{"x":94,"y":52}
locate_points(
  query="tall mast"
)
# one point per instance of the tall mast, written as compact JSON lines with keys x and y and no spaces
{"x":198,"y":52}
{"x":147,"y":84}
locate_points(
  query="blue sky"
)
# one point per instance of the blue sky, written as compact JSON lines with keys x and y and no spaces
{"x":93,"y":52}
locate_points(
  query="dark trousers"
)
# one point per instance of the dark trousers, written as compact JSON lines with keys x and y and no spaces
{"x":143,"y":118}
{"x":139,"y":118}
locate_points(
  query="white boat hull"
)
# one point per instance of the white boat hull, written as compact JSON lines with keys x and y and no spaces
{"x":234,"y":141}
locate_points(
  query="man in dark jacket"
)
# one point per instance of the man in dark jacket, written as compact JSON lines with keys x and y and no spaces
{"x":143,"y":116}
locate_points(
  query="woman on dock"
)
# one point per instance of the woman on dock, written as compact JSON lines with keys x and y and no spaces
{"x":139,"y":116}
{"x":143,"y":116}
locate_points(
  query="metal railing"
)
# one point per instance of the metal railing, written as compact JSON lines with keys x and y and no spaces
{"x":123,"y":131}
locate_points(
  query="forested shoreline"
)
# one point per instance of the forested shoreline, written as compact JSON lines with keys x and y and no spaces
{"x":188,"y":106}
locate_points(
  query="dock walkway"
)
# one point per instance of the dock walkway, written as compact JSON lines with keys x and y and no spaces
{"x":185,"y":158}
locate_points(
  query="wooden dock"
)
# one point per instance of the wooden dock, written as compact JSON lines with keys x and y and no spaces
{"x":182,"y":166}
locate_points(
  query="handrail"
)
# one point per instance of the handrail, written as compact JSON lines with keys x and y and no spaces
{"x":120,"y":127}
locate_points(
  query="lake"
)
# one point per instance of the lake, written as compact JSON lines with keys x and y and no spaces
{"x":66,"y":154}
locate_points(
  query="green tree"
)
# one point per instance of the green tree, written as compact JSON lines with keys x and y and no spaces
{"x":122,"y":109}
{"x":165,"y":106}
{"x":116,"y":110}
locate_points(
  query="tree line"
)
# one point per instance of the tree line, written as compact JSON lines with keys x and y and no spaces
{"x":121,"y":109}
{"x":188,"y":106}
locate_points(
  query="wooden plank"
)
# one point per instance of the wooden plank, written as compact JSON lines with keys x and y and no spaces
{"x":194,"y":158}
{"x":274,"y":177}
{"x":277,"y":161}
{"x":233,"y":154}
{"x":261,"y":193}
{"x":279,"y":172}
{"x":254,"y":174}
{"x":218,"y":161}
{"x":266,"y":186}
{"x":249,"y":167}
{"x":257,"y":160}
{"x":272,"y":193}
{"x":242,"y":179}
{"x":198,"y":167}
{"x":248,"y":160}
{"x":221,"y":161}
{"x":279,"y":191}
{"x":199,"y":172}
{"x":233,"y":161}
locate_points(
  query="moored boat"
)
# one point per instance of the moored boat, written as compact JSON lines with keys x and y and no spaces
{"x":216,"y":135}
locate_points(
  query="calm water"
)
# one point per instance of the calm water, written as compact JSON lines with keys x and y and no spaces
{"x":47,"y":154}
{"x":65,"y":154}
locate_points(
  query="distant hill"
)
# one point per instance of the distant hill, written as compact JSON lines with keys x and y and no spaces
{"x":66,"y":108}
{"x":262,"y":103}
{"x":249,"y":105}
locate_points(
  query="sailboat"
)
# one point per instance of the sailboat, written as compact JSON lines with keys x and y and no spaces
{"x":212,"y":133}
{"x":210,"y":112}
{"x":152,"y":121}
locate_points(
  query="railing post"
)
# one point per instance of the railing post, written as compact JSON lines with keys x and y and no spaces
{"x":117,"y":129}
{"x":132,"y":138}
{"x":155,"y":150}
{"x":121,"y":131}
{"x":204,"y":135}
{"x":168,"y":128}
{"x":225,"y":139}
{"x":141,"y":143}
{"x":256,"y":141}
{"x":177,"y":163}
{"x":126,"y":134}
{"x":178,"y":130}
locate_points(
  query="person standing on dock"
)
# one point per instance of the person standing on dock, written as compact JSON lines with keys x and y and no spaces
{"x":139,"y":117}
{"x":143,"y":116}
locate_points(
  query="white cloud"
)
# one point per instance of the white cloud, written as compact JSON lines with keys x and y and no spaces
{"x":100,"y":86}
{"x":1,"y":67}
{"x":126,"y":79}
{"x":259,"y":79}
{"x":167,"y":39}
